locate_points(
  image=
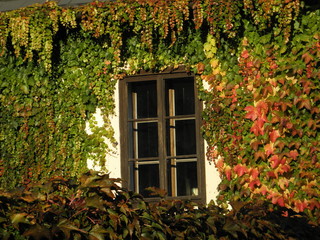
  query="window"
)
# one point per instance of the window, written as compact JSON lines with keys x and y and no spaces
{"x":161,"y":145}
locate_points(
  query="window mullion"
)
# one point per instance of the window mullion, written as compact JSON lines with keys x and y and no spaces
{"x":161,"y":132}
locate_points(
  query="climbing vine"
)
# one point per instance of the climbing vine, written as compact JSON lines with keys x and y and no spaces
{"x":263,"y":111}
{"x":257,"y":64}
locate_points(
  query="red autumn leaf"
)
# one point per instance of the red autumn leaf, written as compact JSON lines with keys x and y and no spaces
{"x":254,"y":145}
{"x":294,"y":154}
{"x":307,"y":57}
{"x":220,"y":163}
{"x":258,"y":112}
{"x":284,"y":168}
{"x":274,"y":135}
{"x":269,"y":149}
{"x":252,"y":113}
{"x":200,"y":67}
{"x":257,"y":128}
{"x":283,"y":183}
{"x":275,"y":161}
{"x":263,"y":190}
{"x":254,"y":173}
{"x":285,"y":214}
{"x":249,"y":64}
{"x":228,"y":172}
{"x":300,"y":206}
{"x":289,"y":125}
{"x":280,"y":201}
{"x":245,"y":53}
{"x":240,"y":169}
{"x":280,"y":145}
{"x":315,"y":110}
{"x":259,"y":154}
{"x":272,"y":174}
{"x":254,"y":183}
{"x":313,"y":203}
{"x":305,"y":103}
{"x":274,"y":196}
{"x":273,"y":65}
{"x":262,"y":106}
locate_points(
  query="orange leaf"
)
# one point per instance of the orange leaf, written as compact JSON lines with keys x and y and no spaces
{"x":255,"y":145}
{"x":254,"y":173}
{"x":280,"y":201}
{"x":274,"y":135}
{"x":307,"y":57}
{"x":240,"y":169}
{"x":305,"y":103}
{"x":257,"y":127}
{"x":252,"y":113}
{"x":228,"y":172}
{"x":264,"y":190}
{"x":200,"y":67}
{"x":284,"y":168}
{"x":220,"y":163}
{"x":269,"y":149}
{"x":245,"y":53}
{"x":262,"y":106}
{"x":300,"y":206}
{"x":259,"y":154}
{"x":294,"y":154}
{"x":254,"y":183}
{"x":275,"y":161}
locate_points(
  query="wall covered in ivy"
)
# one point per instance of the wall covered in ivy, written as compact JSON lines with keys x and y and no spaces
{"x":259,"y":59}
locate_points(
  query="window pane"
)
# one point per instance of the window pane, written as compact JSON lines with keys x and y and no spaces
{"x":142,"y":99}
{"x":132,"y":171}
{"x":187,"y":183}
{"x":147,"y":139}
{"x":148,"y":177}
{"x":180,"y":137}
{"x":180,"y":96}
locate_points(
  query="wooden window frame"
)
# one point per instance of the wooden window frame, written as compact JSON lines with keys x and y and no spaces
{"x":124,"y":132}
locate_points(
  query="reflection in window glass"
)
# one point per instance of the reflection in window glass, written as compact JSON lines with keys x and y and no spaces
{"x":142,"y":99}
{"x":147,"y":139}
{"x":180,"y":96}
{"x":180,"y":137}
{"x":148,"y":177}
{"x":185,"y":137}
{"x":187,"y":183}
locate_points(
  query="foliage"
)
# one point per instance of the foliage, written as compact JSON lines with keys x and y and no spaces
{"x":95,"y":207}
{"x":263,"y":108}
{"x":260,"y":60}
{"x":43,"y":116}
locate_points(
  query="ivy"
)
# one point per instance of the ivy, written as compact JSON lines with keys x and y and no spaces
{"x":257,"y":69}
{"x":265,"y":118}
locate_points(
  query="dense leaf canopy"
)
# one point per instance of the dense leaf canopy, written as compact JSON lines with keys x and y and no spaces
{"x":258,"y":72}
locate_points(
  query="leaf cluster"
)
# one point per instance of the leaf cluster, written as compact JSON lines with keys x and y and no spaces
{"x":96,"y":207}
{"x":262,"y":116}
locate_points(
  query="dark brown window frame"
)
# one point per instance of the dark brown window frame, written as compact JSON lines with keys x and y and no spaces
{"x":124,"y":135}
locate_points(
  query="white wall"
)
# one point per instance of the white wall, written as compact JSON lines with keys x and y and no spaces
{"x":114,"y":163}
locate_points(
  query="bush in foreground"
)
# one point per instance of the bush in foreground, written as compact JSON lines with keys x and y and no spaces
{"x":96,"y":208}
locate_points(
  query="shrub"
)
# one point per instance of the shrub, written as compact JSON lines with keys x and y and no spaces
{"x":95,"y":207}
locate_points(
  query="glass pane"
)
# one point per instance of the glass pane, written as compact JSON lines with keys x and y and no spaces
{"x":187,"y":183}
{"x":142,"y":99}
{"x":148,"y":177}
{"x":185,"y":137}
{"x":147,"y":139}
{"x":180,"y":96}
